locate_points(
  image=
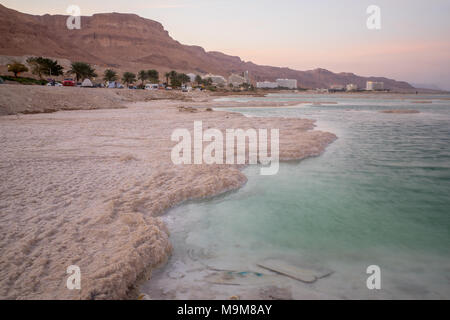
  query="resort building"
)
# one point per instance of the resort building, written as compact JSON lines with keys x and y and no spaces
{"x":279,"y":83}
{"x":216,"y":79}
{"x":287,"y":83}
{"x":374,"y":86}
{"x":236,"y":80}
{"x":336,"y":88}
{"x":246,"y":77}
{"x":267,"y":85}
{"x":352,"y":87}
{"x":192,"y":77}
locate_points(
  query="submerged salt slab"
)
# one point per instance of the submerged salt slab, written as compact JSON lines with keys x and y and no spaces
{"x":238,"y":278}
{"x":294,"y":271}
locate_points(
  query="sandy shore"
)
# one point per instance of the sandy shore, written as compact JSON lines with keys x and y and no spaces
{"x":87,"y":188}
{"x":16,"y":99}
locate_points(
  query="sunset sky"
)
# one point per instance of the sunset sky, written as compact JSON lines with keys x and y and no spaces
{"x":412,"y":45}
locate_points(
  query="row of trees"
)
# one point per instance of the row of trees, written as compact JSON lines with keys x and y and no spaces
{"x":39,"y":66}
{"x":47,"y":67}
{"x":176,"y":79}
{"x":173,"y":78}
{"x":129,"y":77}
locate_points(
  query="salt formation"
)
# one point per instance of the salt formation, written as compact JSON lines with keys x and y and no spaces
{"x":86,"y":188}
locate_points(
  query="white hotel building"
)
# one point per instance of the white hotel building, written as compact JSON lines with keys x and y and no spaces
{"x":373,"y":86}
{"x":267,"y":85}
{"x":280,"y":83}
{"x":287,"y":83}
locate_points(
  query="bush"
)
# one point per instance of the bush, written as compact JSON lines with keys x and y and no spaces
{"x":25,"y":80}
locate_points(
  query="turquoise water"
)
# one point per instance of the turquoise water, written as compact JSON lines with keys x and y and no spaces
{"x":379,"y":195}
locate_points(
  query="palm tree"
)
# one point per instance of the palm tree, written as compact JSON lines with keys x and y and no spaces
{"x":167,"y":75}
{"x":142,"y":75}
{"x":110,"y":75}
{"x":82,"y":71}
{"x":198,"y":79}
{"x":128,"y":77}
{"x":153,"y":76}
{"x":173,"y":74}
{"x":173,"y":78}
{"x":184,"y":78}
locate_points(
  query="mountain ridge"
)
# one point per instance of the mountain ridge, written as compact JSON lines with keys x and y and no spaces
{"x":128,"y":41}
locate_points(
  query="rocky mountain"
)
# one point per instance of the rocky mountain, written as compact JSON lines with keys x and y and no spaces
{"x":127,"y":41}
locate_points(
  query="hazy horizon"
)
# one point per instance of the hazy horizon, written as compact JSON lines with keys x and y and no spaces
{"x":412,"y":44}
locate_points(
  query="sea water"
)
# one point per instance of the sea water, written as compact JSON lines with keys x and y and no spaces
{"x":379,"y":195}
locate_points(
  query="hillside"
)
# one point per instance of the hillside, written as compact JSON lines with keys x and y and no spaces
{"x":127,"y":41}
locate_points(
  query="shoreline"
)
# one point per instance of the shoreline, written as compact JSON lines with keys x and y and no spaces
{"x":22,"y":99}
{"x":90,"y":187}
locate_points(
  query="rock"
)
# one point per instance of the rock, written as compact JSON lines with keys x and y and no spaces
{"x":275,"y":293}
{"x":144,"y":296}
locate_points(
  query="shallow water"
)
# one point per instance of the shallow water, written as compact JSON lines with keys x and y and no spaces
{"x":379,"y":195}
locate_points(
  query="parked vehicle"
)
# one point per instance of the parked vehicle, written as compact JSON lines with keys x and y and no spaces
{"x":54,"y":84}
{"x":186,"y":88}
{"x":151,"y":86}
{"x":68,"y":82}
{"x":114,"y":85}
{"x":111,"y":85}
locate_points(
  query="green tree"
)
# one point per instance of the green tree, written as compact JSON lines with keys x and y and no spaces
{"x":183,"y":78}
{"x":198,"y":80}
{"x":44,"y":66}
{"x":167,"y":76}
{"x":177,"y":79}
{"x":172,"y":74}
{"x":110,"y":75}
{"x":173,"y":78}
{"x":52,"y":68}
{"x":37,"y":66}
{"x":246,"y":86}
{"x":17,"y":68}
{"x":208,"y":82}
{"x":143,"y":76}
{"x":153,"y":76}
{"x":128,"y":77}
{"x":82,"y":71}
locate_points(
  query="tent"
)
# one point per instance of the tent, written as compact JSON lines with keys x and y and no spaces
{"x":87,"y":83}
{"x":111,"y":84}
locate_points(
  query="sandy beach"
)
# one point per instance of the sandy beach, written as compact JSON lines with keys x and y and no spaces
{"x":88,"y":187}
